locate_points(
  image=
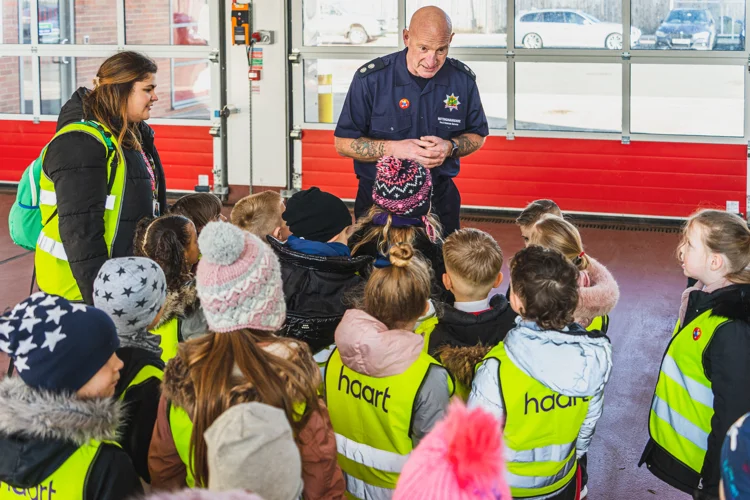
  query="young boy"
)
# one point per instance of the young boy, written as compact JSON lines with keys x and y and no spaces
{"x":58,"y":419}
{"x":474,"y":323}
{"x":532,"y":213}
{"x":132,"y":291}
{"x":548,"y":373}
{"x":317,"y":267}
{"x":260,"y":214}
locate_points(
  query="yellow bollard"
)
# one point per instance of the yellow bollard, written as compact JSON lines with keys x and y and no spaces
{"x":325,"y":98}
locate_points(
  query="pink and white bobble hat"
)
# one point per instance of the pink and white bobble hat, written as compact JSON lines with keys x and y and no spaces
{"x":238,"y":280}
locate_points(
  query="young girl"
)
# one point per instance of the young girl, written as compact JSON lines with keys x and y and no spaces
{"x":383,"y":391}
{"x":598,"y":291}
{"x":172,"y":242}
{"x":401,"y":213}
{"x":58,"y":420}
{"x":241,"y":360}
{"x":702,"y":386}
{"x":200,"y":208}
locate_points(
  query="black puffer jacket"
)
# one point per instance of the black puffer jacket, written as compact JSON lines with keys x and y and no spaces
{"x":76,"y":164}
{"x":314,"y":288}
{"x":726,"y":361}
{"x":461,"y":329}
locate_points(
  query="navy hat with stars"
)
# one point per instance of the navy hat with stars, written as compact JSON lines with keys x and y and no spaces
{"x":55,"y":344}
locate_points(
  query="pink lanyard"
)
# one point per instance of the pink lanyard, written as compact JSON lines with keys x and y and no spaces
{"x":150,"y":169}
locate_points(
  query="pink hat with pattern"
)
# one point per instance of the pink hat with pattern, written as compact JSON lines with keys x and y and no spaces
{"x":238,"y":280}
{"x":461,"y":459}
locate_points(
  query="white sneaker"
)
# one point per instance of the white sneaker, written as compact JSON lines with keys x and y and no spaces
{"x":584,"y":492}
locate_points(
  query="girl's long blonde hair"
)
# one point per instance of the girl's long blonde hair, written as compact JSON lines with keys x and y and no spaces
{"x":554,"y":232}
{"x":388,"y":235}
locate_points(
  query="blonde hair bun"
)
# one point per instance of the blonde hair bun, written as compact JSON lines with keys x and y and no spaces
{"x":401,"y":254}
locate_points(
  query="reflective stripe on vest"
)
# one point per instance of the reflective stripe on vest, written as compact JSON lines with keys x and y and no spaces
{"x":145,"y":373}
{"x":538,"y":463}
{"x":682,"y":407}
{"x":371,"y":417}
{"x":600,"y":323}
{"x":68,"y":482}
{"x":169,"y":338}
{"x":51,"y":261}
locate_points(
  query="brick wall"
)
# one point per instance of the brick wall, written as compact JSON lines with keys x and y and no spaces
{"x":10,"y":92}
{"x":147,"y":22}
{"x":10,"y":21}
{"x":96,"y":19}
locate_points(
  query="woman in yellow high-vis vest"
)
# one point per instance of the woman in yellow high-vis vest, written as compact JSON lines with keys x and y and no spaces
{"x":241,"y":360}
{"x":58,"y":419}
{"x":92,"y":196}
{"x":545,"y":381}
{"x":702,"y":388}
{"x":384,"y":392}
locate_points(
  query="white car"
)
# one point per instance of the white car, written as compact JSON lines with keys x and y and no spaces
{"x":334,"y":22}
{"x":568,"y":28}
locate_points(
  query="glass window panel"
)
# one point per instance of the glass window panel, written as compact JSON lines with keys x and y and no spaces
{"x":167,"y":22}
{"x":492,"y":80}
{"x":476,"y":23}
{"x":687,"y":99}
{"x":182,"y":85}
{"x":326,"y":84}
{"x":350,"y":22}
{"x":689,"y":24}
{"x":77,"y":22}
{"x":17,"y":94}
{"x":580,"y":97}
{"x":15,"y":18}
{"x":571,"y":24}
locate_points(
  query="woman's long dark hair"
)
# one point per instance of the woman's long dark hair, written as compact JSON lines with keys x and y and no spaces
{"x":108,"y":102}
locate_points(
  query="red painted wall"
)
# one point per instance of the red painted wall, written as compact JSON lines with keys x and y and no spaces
{"x":643,"y":178}
{"x":185,"y":151}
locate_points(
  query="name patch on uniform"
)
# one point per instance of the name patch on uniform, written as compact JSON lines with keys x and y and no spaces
{"x":451,"y":122}
{"x":451,"y":102}
{"x":357,"y":390}
{"x":35,"y":493}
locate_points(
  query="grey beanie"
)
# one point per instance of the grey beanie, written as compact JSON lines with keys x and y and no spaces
{"x":251,"y":447}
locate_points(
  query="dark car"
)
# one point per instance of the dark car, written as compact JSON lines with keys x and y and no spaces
{"x":687,"y":29}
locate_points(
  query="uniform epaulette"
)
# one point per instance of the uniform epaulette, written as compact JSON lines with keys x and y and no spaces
{"x":375,"y":65}
{"x":463,"y":67}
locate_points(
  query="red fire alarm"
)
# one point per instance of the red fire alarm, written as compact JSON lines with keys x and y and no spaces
{"x":253,"y":75}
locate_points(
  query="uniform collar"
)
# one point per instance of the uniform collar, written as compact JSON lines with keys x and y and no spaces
{"x":403,"y":77}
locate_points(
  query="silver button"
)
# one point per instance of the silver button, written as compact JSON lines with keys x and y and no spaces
{"x":391,"y":129}
{"x":371,"y":65}
{"x":363,"y":70}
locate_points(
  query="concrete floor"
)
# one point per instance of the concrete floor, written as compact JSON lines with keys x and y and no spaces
{"x":650,"y":285}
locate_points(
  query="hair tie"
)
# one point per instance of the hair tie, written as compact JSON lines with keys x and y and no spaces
{"x":580,"y":255}
{"x":96,"y":82}
{"x":428,"y":228}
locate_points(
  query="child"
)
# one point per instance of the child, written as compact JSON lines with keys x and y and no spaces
{"x":316,"y":268}
{"x":172,"y":242}
{"x":702,"y":386}
{"x":532,"y":213}
{"x":260,"y":214}
{"x":200,"y":208}
{"x":474,"y":323}
{"x":598,"y":291}
{"x":241,"y":360}
{"x":132,"y":291}
{"x":254,"y":437}
{"x":461,"y":459}
{"x":546,"y":379}
{"x":401,"y":213}
{"x":58,"y":419}
{"x":384,"y":392}
{"x":735,"y":462}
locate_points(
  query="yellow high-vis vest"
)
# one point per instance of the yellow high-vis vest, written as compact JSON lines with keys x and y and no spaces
{"x":683,"y":403}
{"x":53,"y":272}
{"x":68,"y":482}
{"x":372,"y":418}
{"x":169,"y":338}
{"x":541,"y":430}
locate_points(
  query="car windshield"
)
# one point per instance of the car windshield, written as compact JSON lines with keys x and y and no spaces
{"x":687,"y":17}
{"x":590,"y":17}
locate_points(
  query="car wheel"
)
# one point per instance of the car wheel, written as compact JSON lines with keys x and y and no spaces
{"x":533,"y":41}
{"x":357,"y":35}
{"x":613,"y":42}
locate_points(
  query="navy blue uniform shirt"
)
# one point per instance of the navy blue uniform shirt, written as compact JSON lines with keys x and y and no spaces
{"x":384,"y":102}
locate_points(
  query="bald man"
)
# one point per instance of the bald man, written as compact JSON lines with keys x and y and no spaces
{"x":418,"y":104}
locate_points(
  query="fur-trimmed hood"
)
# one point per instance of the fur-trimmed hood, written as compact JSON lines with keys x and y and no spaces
{"x":599,"y":297}
{"x":181,"y":302}
{"x":178,"y":387}
{"x":461,"y":361}
{"x":39,"y":429}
